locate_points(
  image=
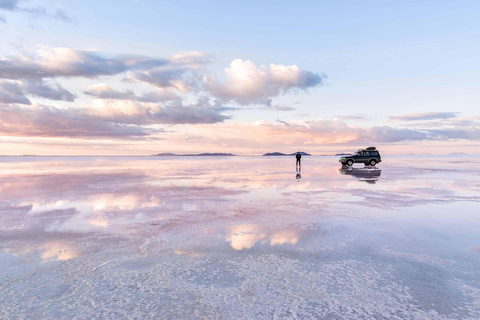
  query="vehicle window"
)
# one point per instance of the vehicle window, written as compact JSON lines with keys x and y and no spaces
{"x":374,"y":153}
{"x":366,"y":154}
{"x":359,"y":154}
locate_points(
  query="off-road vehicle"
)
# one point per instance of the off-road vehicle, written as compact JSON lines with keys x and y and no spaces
{"x":369,"y":156}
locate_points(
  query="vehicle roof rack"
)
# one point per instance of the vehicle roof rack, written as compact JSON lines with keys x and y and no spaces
{"x":371,"y":148}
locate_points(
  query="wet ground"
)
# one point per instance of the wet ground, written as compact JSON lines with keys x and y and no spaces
{"x":239,"y":237}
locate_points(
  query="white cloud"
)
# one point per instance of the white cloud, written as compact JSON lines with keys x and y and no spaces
{"x":245,"y":83}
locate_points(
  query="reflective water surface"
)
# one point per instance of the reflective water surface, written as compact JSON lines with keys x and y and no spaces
{"x":239,"y":237}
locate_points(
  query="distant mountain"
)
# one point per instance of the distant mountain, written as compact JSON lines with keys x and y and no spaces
{"x":285,"y":154}
{"x":343,"y":154}
{"x":275,"y":154}
{"x":194,"y":155}
{"x":209,"y":155}
{"x":166,"y":155}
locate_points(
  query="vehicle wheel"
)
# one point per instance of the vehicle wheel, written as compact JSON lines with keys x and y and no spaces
{"x":349,"y":163}
{"x":373,"y":162}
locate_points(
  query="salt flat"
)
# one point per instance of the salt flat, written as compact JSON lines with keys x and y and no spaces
{"x":239,"y":237}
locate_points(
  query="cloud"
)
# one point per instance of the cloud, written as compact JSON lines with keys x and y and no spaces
{"x":12,"y":92}
{"x":180,"y":114}
{"x":471,"y":121}
{"x":62,"y":15}
{"x":125,"y":113}
{"x":9,"y":4}
{"x":352,"y":117}
{"x":17,"y":91}
{"x":52,"y":92}
{"x":283,"y":108}
{"x":283,"y":122}
{"x":264,"y":135}
{"x":183,"y":72}
{"x":177,"y":71}
{"x":194,"y":59}
{"x":125,"y":120}
{"x":170,"y":113}
{"x":64,"y":62}
{"x":245,"y":83}
{"x":104,"y":91}
{"x":424,"y":116}
{"x":54,"y":122}
{"x":39,"y":11}
{"x":390,"y":134}
{"x":456,"y":133}
{"x":168,"y":77}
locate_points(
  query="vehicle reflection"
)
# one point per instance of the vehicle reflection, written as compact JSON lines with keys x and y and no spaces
{"x":367,"y":174}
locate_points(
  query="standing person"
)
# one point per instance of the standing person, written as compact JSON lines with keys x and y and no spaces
{"x":298,"y":156}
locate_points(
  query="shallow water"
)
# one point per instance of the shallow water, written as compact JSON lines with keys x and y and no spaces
{"x":239,"y":237}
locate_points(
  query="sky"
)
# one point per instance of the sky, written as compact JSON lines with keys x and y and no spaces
{"x":142,"y":77}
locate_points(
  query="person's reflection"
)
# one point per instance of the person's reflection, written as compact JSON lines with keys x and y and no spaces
{"x":298,"y":176}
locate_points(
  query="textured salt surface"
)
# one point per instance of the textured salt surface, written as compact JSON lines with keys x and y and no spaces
{"x":141,"y":238}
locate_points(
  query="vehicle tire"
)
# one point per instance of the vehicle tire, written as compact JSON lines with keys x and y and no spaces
{"x":349,"y":163}
{"x":373,"y":162}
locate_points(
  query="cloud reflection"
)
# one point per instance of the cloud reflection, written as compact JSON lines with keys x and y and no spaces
{"x":58,"y":251}
{"x":51,"y":250}
{"x":246,"y":236}
{"x":286,"y":236}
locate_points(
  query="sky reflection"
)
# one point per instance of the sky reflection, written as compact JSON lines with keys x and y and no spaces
{"x":143,"y":212}
{"x":257,"y":200}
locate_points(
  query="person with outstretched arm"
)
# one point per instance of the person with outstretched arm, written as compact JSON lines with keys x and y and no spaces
{"x":298,"y":156}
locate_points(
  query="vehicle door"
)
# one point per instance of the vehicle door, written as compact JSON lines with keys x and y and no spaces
{"x":359,"y":157}
{"x":365,"y":156}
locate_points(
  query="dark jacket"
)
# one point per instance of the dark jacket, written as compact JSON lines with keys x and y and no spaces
{"x":298,"y":156}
